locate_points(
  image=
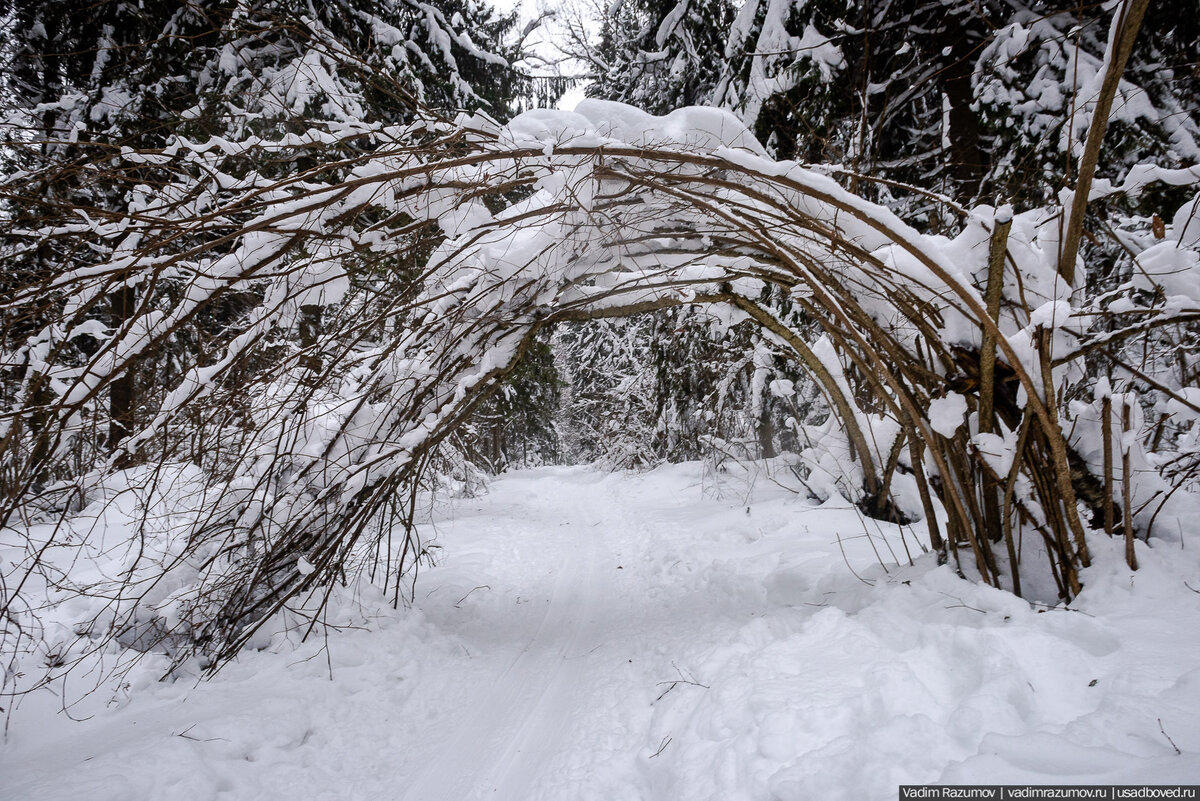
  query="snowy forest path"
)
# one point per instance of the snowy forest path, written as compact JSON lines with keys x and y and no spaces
{"x":686,"y":634}
{"x":543,"y":613}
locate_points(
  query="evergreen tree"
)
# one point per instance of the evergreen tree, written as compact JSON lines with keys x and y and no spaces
{"x":517,"y":425}
{"x":657,"y":55}
{"x":977,"y":100}
{"x":88,"y":80}
{"x":608,"y":410}
{"x":1037,"y":78}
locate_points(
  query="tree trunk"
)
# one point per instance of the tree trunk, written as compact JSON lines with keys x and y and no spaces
{"x":122,"y":402}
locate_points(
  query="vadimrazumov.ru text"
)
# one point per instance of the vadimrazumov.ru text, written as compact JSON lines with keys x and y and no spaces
{"x":936,"y":792}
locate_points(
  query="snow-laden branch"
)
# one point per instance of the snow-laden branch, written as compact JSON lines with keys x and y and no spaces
{"x":322,"y":332}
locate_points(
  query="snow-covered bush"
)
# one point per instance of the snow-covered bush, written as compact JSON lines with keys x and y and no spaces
{"x":383,"y":294}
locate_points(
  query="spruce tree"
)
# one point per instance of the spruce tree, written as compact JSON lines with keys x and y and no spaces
{"x":658,"y":55}
{"x":90,"y":80}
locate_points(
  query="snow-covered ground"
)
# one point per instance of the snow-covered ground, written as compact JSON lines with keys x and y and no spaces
{"x":667,"y":636}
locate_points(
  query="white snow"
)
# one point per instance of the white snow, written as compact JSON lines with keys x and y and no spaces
{"x":673,"y":636}
{"x":1186,"y":223}
{"x":946,"y":413}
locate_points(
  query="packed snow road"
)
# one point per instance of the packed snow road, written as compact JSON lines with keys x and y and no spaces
{"x":664,"y":637}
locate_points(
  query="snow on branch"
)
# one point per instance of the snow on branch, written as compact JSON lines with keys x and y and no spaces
{"x":314,"y":336}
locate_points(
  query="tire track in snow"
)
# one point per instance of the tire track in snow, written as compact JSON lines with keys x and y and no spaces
{"x":515,"y":724}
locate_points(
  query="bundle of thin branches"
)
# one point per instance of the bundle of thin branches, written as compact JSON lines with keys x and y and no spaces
{"x":381,"y":296}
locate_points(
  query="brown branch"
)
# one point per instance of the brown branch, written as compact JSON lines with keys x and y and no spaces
{"x":1126,"y":31}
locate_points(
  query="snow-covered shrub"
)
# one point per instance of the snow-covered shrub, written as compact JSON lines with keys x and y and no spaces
{"x":434,"y":261}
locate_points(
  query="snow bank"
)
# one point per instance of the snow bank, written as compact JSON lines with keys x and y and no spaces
{"x":686,"y":635}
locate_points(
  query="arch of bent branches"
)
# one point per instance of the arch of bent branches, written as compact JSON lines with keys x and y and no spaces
{"x":499,"y":233}
{"x":616,"y":231}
